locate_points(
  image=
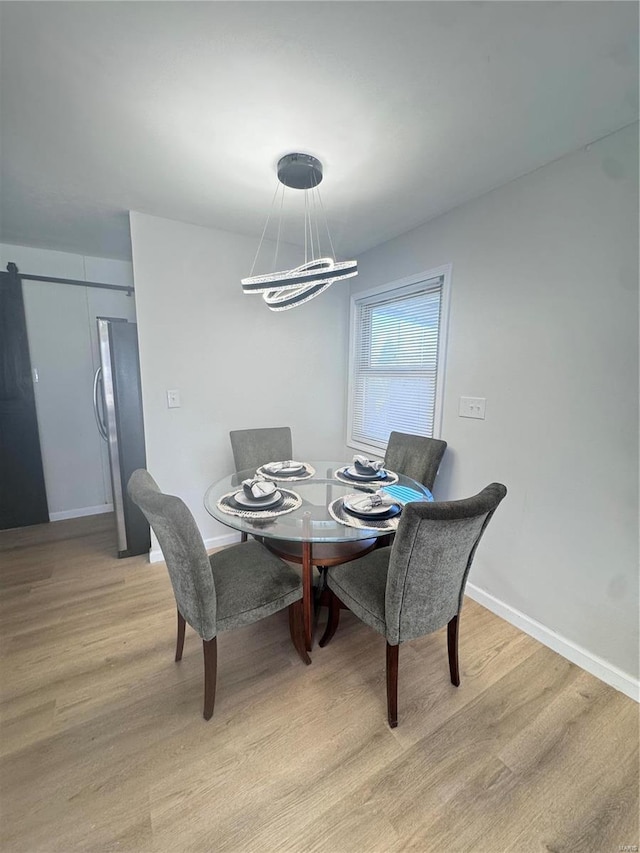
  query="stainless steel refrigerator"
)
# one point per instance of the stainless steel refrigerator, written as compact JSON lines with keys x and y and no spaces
{"x":117,"y":403}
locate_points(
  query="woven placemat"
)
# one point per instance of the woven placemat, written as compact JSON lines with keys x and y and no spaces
{"x":339,"y":514}
{"x":390,"y":478}
{"x":309,"y":471}
{"x":291,"y":501}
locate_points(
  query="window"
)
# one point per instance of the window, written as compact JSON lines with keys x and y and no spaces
{"x":397,"y":359}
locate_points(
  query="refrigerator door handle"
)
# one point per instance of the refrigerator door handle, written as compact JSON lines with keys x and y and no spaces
{"x":102,"y":429}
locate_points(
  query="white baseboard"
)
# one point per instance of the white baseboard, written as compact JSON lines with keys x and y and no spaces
{"x":155,"y":554}
{"x":78,"y":513}
{"x":593,"y":664}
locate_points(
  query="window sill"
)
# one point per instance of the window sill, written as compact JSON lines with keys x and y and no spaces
{"x":367,"y":448}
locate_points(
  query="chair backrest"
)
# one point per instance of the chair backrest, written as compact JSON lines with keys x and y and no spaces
{"x":183,"y":550}
{"x":255,"y":447}
{"x":416,"y":456}
{"x":430,"y":560}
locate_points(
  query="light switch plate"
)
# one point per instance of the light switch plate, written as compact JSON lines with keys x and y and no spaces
{"x":173,"y":399}
{"x":472,"y":407}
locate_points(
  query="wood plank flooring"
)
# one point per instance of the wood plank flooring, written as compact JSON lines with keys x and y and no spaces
{"x":103,"y":746}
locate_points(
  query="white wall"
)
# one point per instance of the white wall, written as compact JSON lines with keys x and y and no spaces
{"x":544,"y":324}
{"x":63,"y":347}
{"x":236,"y":363}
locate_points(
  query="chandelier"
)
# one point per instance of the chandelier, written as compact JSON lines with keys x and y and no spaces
{"x":289,"y":288}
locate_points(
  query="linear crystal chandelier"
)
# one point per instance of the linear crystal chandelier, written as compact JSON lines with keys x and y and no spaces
{"x":288,"y":288}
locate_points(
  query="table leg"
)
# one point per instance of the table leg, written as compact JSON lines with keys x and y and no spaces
{"x":307,"y":593}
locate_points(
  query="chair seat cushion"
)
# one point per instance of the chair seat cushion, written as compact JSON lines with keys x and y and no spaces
{"x":361,"y":585}
{"x":251,"y":583}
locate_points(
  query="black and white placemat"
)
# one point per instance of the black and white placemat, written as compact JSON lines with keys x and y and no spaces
{"x":389,"y":478}
{"x":309,"y":472}
{"x":291,"y":501}
{"x":339,"y":513}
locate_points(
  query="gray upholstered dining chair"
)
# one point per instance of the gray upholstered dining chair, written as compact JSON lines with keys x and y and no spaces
{"x":254,"y":447}
{"x":416,"y":456}
{"x":415,"y":586}
{"x":231,"y":588}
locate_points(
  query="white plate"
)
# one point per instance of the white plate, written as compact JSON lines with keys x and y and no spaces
{"x":265,"y":503}
{"x":351,"y":472}
{"x":359,"y":504}
{"x":273,"y":469}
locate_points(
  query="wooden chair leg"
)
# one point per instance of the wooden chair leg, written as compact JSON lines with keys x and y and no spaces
{"x":296,"y":628}
{"x":333,"y":621}
{"x":392,"y":685}
{"x":210,"y":648}
{"x":180,"y":637}
{"x":452,"y":645}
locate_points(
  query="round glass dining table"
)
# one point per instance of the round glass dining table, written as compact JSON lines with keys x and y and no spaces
{"x":308,"y":535}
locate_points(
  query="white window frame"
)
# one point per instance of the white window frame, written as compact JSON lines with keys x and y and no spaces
{"x":392,"y":288}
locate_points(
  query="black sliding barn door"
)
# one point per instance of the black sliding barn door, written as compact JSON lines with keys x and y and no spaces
{"x":23,"y":499}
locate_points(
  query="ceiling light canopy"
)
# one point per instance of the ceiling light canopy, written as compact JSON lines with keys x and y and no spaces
{"x":287,"y":288}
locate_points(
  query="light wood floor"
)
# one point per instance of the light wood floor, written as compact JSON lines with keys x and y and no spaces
{"x":104,"y":747}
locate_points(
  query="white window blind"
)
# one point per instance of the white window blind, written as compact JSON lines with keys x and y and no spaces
{"x":394,"y":362}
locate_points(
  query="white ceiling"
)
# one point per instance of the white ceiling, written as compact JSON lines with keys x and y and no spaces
{"x":182,"y":109}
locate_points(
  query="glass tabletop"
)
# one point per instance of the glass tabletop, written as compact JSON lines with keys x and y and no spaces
{"x":311,"y":521}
